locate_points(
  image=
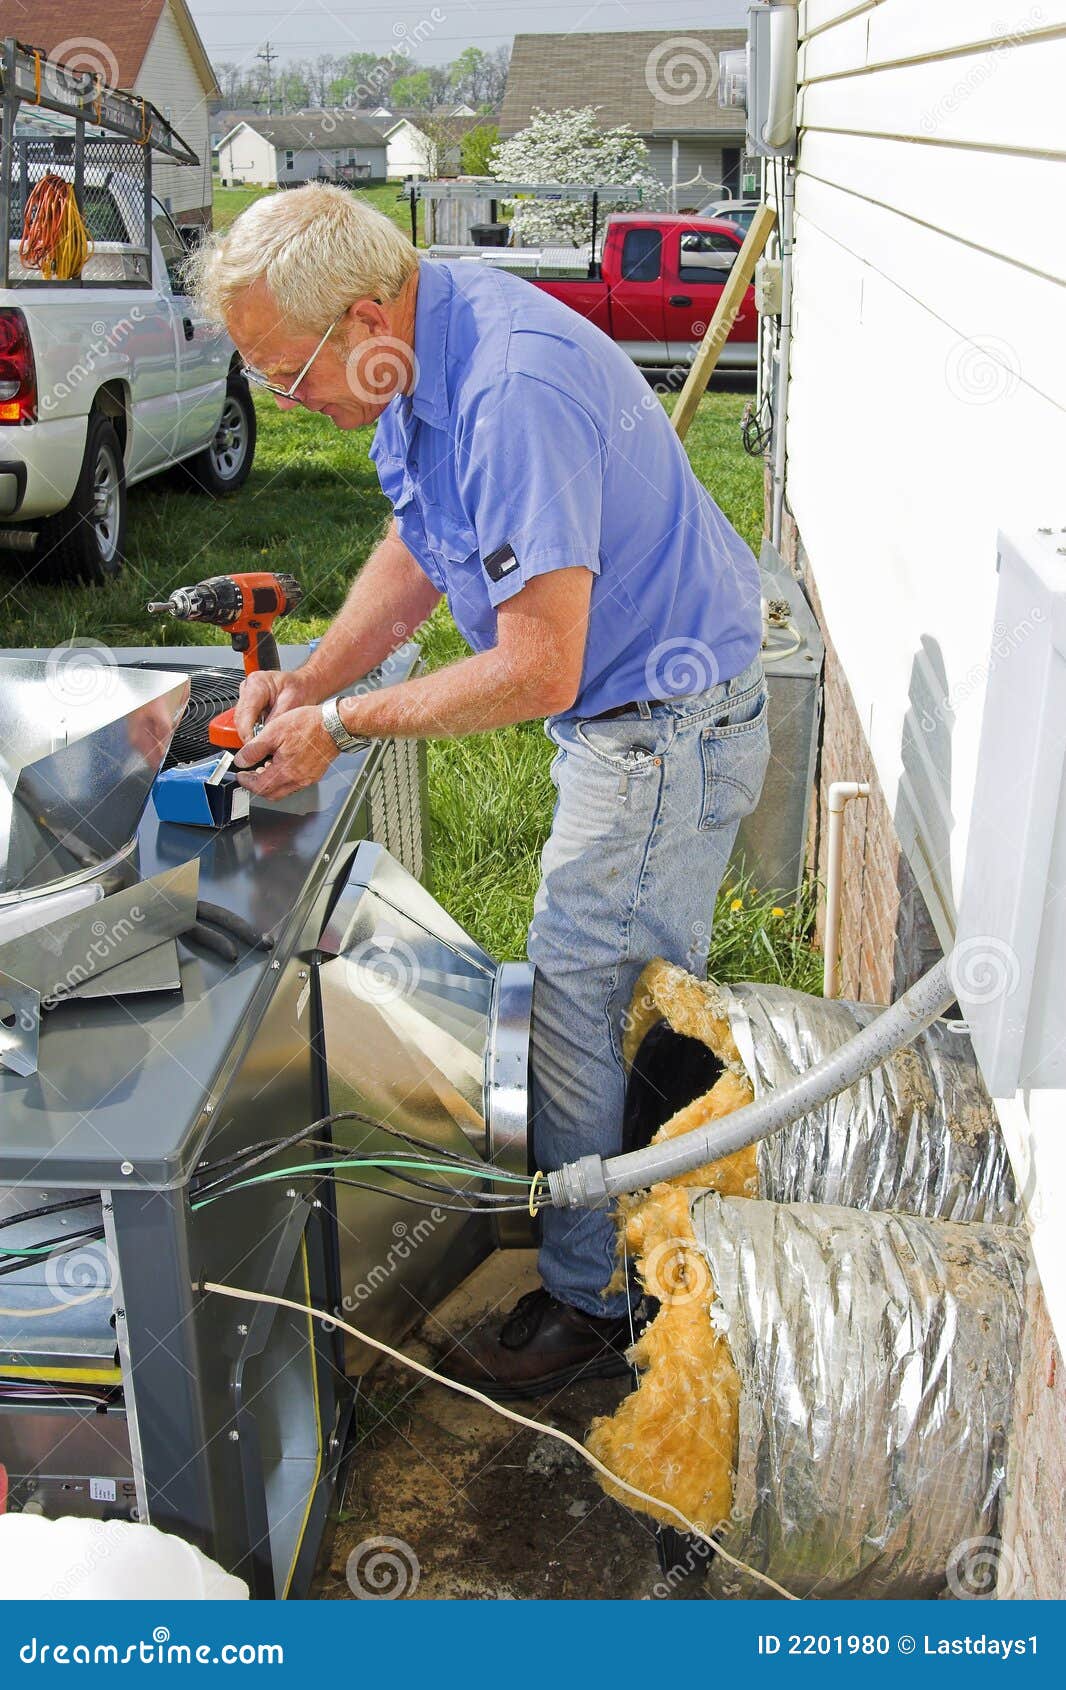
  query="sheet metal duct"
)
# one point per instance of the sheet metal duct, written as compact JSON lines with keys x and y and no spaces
{"x":81,"y":741}
{"x":425,"y":1031}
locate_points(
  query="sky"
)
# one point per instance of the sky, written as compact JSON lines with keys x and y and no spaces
{"x":435,"y":31}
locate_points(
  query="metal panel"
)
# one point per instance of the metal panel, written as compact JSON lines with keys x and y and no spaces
{"x":419,"y":1035}
{"x":772,"y":842}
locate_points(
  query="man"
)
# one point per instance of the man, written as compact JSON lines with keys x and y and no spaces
{"x":600,"y":588}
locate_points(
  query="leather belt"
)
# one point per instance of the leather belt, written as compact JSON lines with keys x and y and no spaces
{"x":635,"y":703}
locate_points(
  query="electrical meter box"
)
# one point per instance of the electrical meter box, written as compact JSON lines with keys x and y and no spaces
{"x":1009,"y":966}
{"x":772,"y":81}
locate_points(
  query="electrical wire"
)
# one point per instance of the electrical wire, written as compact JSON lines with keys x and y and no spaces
{"x":511,"y":1414}
{"x":54,"y":237}
{"x":63,"y":1206}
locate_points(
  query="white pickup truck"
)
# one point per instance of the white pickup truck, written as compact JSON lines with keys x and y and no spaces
{"x":104,"y":384}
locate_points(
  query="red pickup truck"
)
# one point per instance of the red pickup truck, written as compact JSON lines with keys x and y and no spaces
{"x":656,"y":287}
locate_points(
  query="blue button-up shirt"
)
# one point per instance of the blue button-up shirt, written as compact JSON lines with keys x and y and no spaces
{"x":531,"y":442}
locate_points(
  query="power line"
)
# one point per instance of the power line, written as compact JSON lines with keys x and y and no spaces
{"x":268,"y":56}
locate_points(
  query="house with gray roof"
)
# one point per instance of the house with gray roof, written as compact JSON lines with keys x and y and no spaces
{"x":665,"y":84}
{"x":310,"y":146}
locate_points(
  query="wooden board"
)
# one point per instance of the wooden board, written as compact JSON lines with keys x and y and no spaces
{"x":729,"y":303}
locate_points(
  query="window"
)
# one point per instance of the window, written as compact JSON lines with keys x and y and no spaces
{"x":175,"y":252}
{"x":706,"y":256}
{"x":290,"y":159}
{"x":642,"y":255}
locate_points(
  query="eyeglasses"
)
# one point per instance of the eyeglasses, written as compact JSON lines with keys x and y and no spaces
{"x":260,"y":380}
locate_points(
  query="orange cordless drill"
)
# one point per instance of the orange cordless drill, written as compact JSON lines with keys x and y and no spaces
{"x":247,"y":606}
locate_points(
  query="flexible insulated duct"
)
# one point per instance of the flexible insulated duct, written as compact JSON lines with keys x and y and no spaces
{"x":591,"y":1182}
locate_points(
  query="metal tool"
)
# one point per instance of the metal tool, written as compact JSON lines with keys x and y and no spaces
{"x":247,"y":606}
{"x":40,"y":969}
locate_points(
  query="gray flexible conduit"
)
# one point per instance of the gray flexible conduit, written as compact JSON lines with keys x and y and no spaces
{"x":591,"y":1182}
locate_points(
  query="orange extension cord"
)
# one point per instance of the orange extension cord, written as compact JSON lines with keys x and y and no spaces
{"x":54,"y":237}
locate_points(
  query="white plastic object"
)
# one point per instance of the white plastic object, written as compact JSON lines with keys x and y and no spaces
{"x":113,"y":1560}
{"x":1010,"y":946}
{"x":769,"y":292}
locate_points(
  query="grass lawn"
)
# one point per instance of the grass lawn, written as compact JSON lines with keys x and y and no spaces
{"x":313,"y":506}
{"x":230,"y":202}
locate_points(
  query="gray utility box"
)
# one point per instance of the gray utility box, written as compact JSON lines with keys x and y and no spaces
{"x":128,"y":1391}
{"x":772,"y":842}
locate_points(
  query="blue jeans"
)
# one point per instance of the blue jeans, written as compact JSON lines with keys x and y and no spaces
{"x":646,"y":813}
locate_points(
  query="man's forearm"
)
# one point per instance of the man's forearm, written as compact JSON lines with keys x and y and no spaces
{"x":471,"y":696}
{"x":387,"y":601}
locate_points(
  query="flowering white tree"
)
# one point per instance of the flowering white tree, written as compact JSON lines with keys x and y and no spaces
{"x":570,"y":146}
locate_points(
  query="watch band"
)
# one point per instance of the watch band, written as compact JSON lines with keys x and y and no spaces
{"x":338,"y":733}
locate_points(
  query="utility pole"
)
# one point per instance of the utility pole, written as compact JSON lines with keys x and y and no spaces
{"x":268,"y":56}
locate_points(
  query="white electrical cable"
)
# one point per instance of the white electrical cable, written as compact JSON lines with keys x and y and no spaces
{"x":507,"y":1413}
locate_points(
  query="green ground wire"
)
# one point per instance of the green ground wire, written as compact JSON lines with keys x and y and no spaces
{"x":489,"y":1174}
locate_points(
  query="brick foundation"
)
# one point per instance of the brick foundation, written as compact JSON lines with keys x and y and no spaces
{"x":887,"y":938}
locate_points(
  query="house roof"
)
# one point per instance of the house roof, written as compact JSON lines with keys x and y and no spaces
{"x":631,"y":76}
{"x":124,"y":31}
{"x":444,"y":124}
{"x":319,"y":129}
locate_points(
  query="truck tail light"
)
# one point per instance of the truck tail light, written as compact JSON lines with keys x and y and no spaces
{"x":18,"y":372}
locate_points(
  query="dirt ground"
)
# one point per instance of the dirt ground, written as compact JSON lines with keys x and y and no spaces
{"x":476,"y":1508}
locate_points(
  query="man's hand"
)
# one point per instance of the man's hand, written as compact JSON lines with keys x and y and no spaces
{"x":267,"y":693}
{"x":298,"y":748}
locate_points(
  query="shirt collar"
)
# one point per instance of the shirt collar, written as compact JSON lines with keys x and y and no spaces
{"x":433,"y":303}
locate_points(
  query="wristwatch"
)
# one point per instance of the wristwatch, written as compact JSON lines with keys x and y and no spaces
{"x":338,"y":733}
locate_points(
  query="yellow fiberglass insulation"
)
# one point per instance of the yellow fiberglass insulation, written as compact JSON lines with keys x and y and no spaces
{"x":676,"y":1435}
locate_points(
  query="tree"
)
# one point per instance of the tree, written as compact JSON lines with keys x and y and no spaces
{"x":570,"y":146}
{"x":476,"y":148}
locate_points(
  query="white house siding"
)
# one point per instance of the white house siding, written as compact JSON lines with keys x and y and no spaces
{"x":409,"y":154}
{"x":246,"y":157}
{"x":927,"y":401}
{"x":169,"y":79}
{"x":695,"y":156}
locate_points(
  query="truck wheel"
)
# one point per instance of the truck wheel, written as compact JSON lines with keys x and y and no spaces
{"x":86,"y":542}
{"x":224,"y":466}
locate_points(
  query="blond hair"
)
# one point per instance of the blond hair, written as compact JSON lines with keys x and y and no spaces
{"x":318,"y":248}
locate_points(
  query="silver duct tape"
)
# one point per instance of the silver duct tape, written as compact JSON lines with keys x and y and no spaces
{"x":877,"y":1355}
{"x":920,"y":1134}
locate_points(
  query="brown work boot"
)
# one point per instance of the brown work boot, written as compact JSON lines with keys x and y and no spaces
{"x":540,"y":1346}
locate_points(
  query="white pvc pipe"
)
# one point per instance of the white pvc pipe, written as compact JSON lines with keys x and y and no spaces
{"x":841,"y":793}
